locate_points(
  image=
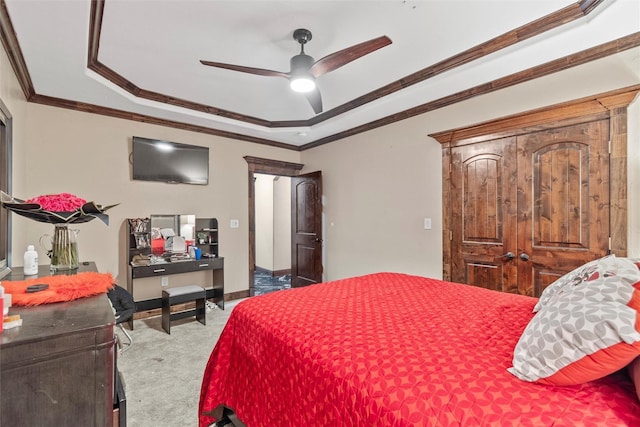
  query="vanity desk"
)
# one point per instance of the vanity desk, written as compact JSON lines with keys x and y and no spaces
{"x":59,"y":367}
{"x":154,"y":265}
{"x":148,"y":277}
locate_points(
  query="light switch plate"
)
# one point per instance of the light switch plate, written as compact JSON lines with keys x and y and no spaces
{"x":235,"y":223}
{"x":427,"y":223}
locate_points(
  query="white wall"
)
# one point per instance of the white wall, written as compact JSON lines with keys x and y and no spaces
{"x":380,"y":185}
{"x":273,"y":222}
{"x":282,"y":223}
{"x":378,"y":188}
{"x":88,"y":155}
{"x":264,"y":220}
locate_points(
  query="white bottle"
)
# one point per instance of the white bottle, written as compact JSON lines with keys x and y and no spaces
{"x":30,"y":261}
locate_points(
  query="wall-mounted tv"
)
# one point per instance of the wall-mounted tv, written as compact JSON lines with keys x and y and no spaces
{"x":164,"y":161}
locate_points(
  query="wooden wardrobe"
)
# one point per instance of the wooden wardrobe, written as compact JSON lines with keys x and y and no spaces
{"x":528,"y":198}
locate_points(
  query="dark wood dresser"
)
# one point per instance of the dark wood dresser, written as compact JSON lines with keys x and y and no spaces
{"x":58,"y":368}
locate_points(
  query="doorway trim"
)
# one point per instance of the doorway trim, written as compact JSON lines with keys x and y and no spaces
{"x":270,"y":167}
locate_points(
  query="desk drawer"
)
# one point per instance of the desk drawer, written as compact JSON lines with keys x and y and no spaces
{"x":176,"y":267}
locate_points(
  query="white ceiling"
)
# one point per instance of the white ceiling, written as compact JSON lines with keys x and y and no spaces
{"x":157,"y":45}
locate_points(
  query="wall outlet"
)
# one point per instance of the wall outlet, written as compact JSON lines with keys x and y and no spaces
{"x":235,"y":223}
{"x":165,"y":280}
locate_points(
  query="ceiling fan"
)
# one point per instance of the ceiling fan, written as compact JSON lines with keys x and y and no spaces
{"x":304,"y":71}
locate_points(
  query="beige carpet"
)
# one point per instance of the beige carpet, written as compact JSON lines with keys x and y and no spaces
{"x":162,"y":373}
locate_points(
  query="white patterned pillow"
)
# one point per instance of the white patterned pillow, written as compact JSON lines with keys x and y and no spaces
{"x":586,"y":272}
{"x":584,"y":333}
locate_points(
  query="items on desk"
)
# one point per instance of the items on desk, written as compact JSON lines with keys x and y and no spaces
{"x":2,"y":300}
{"x":167,"y":232}
{"x":175,"y":244}
{"x":1,"y":303}
{"x":140,"y":260}
{"x":195,"y":252}
{"x":30,"y":261}
{"x":8,"y":322}
{"x":176,"y":257}
{"x":5,"y":301}
{"x":139,"y":225}
{"x":12,"y":321}
{"x":37,"y":288}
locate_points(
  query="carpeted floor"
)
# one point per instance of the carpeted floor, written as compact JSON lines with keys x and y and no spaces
{"x":162,"y":373}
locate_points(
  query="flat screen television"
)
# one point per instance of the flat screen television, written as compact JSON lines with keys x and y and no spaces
{"x":165,"y":161}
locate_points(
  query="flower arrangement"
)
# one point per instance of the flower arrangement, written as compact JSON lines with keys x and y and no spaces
{"x":58,"y":209}
{"x":63,"y":208}
{"x":63,"y":202}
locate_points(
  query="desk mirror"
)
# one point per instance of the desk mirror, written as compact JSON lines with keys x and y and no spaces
{"x":165,"y":226}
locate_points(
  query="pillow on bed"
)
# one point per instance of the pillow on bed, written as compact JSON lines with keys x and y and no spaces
{"x":583,"y":333}
{"x":586,"y":272}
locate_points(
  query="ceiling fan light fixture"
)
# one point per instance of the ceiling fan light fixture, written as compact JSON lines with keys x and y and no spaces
{"x":302,"y":83}
{"x":304,"y":69}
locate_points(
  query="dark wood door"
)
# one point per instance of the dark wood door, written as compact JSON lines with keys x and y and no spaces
{"x":528,"y":209}
{"x":483,"y":207}
{"x":563,"y":202}
{"x":306,"y":229}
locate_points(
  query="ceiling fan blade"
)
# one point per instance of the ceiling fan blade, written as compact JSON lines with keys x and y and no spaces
{"x":344,"y":56}
{"x":315,"y":100}
{"x":243,"y":69}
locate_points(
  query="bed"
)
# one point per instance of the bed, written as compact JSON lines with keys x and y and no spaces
{"x":393,"y":350}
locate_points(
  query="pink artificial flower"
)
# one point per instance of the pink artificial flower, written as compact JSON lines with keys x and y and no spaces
{"x":63,"y":202}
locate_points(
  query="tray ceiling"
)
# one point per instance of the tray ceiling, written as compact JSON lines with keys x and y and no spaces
{"x":141,"y":58}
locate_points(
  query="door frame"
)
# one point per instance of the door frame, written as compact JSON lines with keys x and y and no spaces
{"x":609,"y":105}
{"x":269,"y":167}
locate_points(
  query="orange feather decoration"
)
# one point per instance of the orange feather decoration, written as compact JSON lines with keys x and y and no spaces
{"x":61,"y":288}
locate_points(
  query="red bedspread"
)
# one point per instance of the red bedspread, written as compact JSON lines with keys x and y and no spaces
{"x":393,"y":350}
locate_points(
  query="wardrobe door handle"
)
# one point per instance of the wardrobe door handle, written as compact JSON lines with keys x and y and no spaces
{"x":509,"y":256}
{"x":524,"y":257}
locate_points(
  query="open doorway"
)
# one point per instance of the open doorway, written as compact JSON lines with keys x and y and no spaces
{"x":273,"y":233}
{"x":306,"y":224}
{"x":262,"y":166}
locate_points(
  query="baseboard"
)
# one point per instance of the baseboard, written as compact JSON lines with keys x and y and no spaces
{"x":236,"y":295}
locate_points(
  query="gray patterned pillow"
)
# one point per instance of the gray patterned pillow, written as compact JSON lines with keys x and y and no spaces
{"x":586,"y":272}
{"x":583,"y":333}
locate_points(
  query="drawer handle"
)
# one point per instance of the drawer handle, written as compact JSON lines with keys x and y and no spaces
{"x":159,"y":270}
{"x":203,"y":265}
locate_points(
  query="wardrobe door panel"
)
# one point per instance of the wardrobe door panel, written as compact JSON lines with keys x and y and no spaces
{"x":483,"y":223}
{"x":563,"y":202}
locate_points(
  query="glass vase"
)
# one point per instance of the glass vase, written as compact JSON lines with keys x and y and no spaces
{"x":64,"y":248}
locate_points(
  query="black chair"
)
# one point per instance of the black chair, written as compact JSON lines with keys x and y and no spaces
{"x":124,"y":306}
